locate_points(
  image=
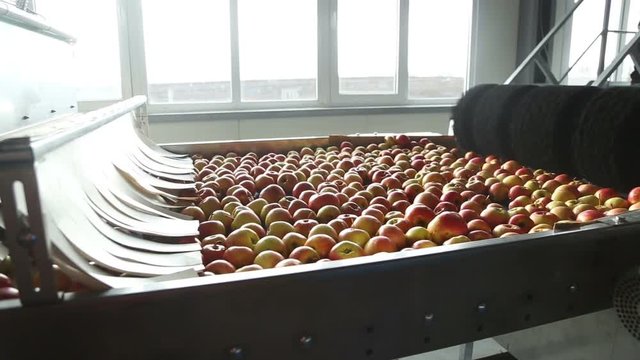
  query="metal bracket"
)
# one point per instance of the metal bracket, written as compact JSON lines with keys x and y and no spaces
{"x":25,"y":236}
{"x":546,"y":70}
{"x":141,"y":119}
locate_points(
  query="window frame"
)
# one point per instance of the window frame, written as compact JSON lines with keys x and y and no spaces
{"x":327,"y":82}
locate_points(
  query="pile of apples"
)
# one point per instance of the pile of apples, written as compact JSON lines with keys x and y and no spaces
{"x":346,"y":201}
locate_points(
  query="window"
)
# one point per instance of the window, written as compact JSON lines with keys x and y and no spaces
{"x":437,"y":64}
{"x":203,"y":55}
{"x":367,"y":46}
{"x":187,"y":50}
{"x":96,"y":53}
{"x":278,"y":49}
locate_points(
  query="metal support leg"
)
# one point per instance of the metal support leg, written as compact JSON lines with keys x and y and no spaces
{"x":466,"y":351}
{"x":25,"y":237}
{"x":546,"y":70}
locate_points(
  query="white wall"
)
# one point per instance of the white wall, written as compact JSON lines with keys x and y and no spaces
{"x":493,"y":58}
{"x":494,"y":48}
{"x":202,"y":128}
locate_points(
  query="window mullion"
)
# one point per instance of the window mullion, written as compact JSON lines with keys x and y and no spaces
{"x":136,"y":50}
{"x":334,"y":80}
{"x":403,"y":41}
{"x":324,"y":53}
{"x":235,"y":53}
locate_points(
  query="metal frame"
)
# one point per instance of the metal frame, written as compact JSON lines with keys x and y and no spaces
{"x":25,"y":236}
{"x":562,"y":65}
{"x":22,"y":211}
{"x":382,"y":306}
{"x":369,"y":308}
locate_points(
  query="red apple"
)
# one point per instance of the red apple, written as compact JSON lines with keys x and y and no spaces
{"x":321,"y":243}
{"x":304,"y":254}
{"x":427,"y":199}
{"x":447,"y":225}
{"x":367,"y":223}
{"x":395,"y":234}
{"x":270,"y":242}
{"x":317,"y":201}
{"x":522,"y":221}
{"x":239,"y":256}
{"x":544,"y":217}
{"x":293,"y":240}
{"x":210,"y":253}
{"x":268,"y":259}
{"x":499,"y":192}
{"x":242,"y":237}
{"x":589,"y":215}
{"x":502,"y":229}
{"x":616,"y":202}
{"x":423,"y":244}
{"x":459,"y":239}
{"x":634,"y":195}
{"x":211,"y":227}
{"x":419,"y":215}
{"x":479,"y":235}
{"x":605,"y":194}
{"x":357,"y":236}
{"x":220,"y":267}
{"x":379,"y":244}
{"x":195,"y":212}
{"x":345,"y":250}
{"x":304,"y":226}
{"x":272,"y":193}
{"x":288,"y":262}
{"x":494,"y":216}
{"x":468,"y":215}
{"x":300,"y":187}
{"x":252,"y":267}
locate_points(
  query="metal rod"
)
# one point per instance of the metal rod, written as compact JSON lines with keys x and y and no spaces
{"x":542,"y":43}
{"x":632,"y":46}
{"x":579,"y":58}
{"x":12,"y":15}
{"x":604,"y":34}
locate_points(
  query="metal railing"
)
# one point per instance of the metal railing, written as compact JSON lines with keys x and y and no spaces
{"x":632,"y":49}
{"x":26,"y":20}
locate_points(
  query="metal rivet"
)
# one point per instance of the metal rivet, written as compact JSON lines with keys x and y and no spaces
{"x":236,"y":353}
{"x":25,"y":117}
{"x":573,"y":288}
{"x":482,"y":307}
{"x":52,"y":111}
{"x":306,"y":341}
{"x":72,"y":107}
{"x":428,"y":317}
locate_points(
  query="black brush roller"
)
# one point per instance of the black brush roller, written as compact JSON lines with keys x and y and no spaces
{"x":605,"y":144}
{"x":463,"y":114}
{"x":493,"y":115}
{"x":542,"y":126}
